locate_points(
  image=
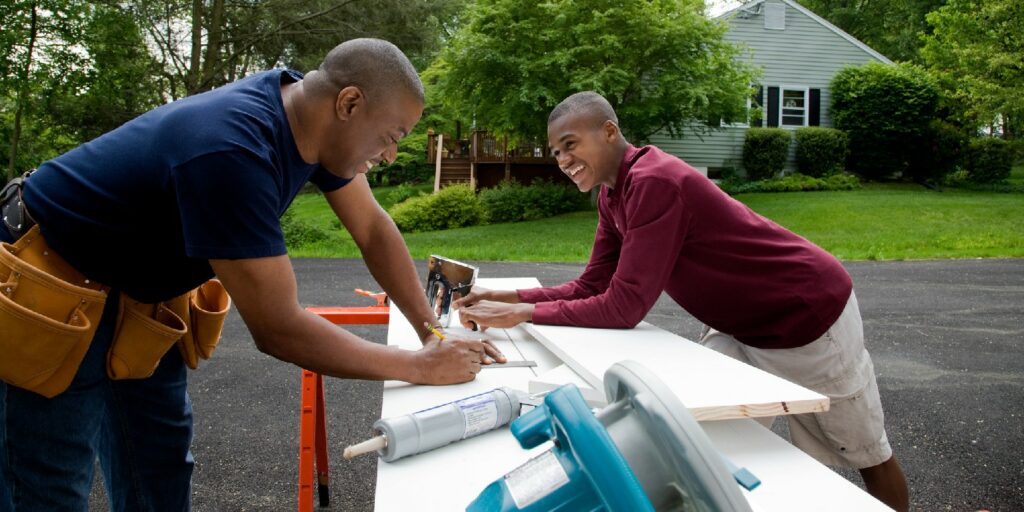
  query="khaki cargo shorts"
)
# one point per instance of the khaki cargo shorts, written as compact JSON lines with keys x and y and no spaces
{"x":852,"y":432}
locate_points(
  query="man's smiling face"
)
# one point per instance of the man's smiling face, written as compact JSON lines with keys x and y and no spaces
{"x":585,"y":148}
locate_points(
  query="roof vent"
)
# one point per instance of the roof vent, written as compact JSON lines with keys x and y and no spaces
{"x":775,"y":16}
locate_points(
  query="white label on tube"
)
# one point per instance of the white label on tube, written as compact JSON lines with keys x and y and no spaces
{"x":539,"y":477}
{"x":480,"y":413}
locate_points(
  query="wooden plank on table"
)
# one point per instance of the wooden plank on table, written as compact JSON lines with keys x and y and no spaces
{"x":711,"y":385}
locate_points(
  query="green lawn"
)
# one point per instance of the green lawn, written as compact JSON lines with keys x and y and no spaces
{"x":878,"y":222}
{"x":1017,"y":175}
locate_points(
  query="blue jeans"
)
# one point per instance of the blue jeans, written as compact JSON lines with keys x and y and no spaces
{"x":139,"y":429}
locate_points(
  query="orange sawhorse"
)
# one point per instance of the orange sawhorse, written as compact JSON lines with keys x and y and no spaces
{"x":312,"y":419}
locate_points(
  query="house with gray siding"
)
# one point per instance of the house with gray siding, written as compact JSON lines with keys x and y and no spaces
{"x":799,"y":53}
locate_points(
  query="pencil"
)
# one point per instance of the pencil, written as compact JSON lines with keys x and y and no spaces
{"x":434,"y":330}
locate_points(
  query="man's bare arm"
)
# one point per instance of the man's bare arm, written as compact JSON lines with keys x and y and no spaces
{"x":386,"y":255}
{"x":264,"y":291}
{"x":383,"y":249}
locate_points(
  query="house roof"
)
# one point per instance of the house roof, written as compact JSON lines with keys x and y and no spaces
{"x":807,"y":12}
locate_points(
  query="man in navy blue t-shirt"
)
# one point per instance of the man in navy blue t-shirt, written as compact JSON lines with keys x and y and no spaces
{"x":192,"y":190}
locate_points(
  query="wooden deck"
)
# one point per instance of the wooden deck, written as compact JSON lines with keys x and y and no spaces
{"x":484,"y":161}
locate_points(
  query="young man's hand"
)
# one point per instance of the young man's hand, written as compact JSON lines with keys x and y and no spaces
{"x":487,"y":313}
{"x":479,"y":293}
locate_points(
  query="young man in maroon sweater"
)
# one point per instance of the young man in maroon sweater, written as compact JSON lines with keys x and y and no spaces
{"x":768,"y":297}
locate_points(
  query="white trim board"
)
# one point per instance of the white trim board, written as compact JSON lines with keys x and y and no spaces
{"x":711,"y":385}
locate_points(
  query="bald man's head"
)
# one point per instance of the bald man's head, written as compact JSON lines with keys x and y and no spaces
{"x":586,"y":105}
{"x":376,"y":67}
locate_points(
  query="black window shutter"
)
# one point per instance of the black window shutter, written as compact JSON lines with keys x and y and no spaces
{"x":814,"y":112}
{"x":773,"y":106}
{"x":757,"y":101}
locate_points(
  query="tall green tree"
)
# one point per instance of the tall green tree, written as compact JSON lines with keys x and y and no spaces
{"x":202,"y":44}
{"x":977,"y":46}
{"x":661,"y":63}
{"x":890,"y":26}
{"x":113,"y":85}
{"x":70,"y":72}
{"x":36,"y":48}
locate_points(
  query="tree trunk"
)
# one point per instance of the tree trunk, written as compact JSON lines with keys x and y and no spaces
{"x":22,"y":93}
{"x":215,"y":31}
{"x":193,"y":76}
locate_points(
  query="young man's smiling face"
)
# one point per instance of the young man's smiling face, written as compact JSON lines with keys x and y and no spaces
{"x":588,"y":149}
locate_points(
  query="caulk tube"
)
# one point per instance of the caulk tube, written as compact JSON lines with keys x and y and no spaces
{"x":435,"y":427}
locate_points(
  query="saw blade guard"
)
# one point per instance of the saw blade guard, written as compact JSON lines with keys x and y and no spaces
{"x":643,"y":452}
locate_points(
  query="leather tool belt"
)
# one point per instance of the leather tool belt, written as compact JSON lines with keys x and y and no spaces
{"x":49,"y":313}
{"x":12,"y":209}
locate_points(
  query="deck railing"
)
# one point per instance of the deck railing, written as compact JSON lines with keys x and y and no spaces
{"x":484,"y":147}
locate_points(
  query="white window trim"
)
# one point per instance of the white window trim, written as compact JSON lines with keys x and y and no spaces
{"x":742,"y":124}
{"x":807,"y":104}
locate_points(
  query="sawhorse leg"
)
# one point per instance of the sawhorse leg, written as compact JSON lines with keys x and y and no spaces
{"x":313,"y":443}
{"x":312,"y":415}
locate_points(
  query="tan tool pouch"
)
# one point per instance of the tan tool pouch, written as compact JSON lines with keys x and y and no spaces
{"x":143,"y":335}
{"x":206,"y":308}
{"x":146,"y":331}
{"x":48,"y":314}
{"x":208,"y":305}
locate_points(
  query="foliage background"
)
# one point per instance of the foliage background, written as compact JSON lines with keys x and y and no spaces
{"x":662,"y":64}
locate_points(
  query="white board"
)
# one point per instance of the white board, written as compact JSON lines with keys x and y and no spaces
{"x":711,"y":385}
{"x":791,"y":480}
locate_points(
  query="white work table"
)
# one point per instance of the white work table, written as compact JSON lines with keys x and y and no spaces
{"x":710,"y":385}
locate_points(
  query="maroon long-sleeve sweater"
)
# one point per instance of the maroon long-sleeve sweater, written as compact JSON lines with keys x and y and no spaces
{"x":666,"y":227}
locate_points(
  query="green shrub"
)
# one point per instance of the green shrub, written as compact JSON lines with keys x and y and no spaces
{"x":820,"y":151}
{"x":940,"y":155}
{"x":765,"y":151}
{"x":989,"y":160}
{"x":842,"y":181}
{"x":1018,"y":149}
{"x":886,"y":111}
{"x":297,"y":233}
{"x":505,"y":202}
{"x":545,"y":198}
{"x":402,"y":192}
{"x":454,"y":206}
{"x":794,"y":183}
{"x":512,"y":202}
{"x":961,"y":179}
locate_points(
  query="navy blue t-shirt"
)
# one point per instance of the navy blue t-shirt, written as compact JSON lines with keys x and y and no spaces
{"x":144,"y":207}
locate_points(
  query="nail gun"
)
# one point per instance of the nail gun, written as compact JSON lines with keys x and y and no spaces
{"x":445,"y":278}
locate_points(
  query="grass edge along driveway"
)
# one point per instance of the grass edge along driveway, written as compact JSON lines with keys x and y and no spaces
{"x":877,"y":222}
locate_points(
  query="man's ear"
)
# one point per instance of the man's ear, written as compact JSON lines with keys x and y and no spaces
{"x":348,"y":101}
{"x":611,"y":131}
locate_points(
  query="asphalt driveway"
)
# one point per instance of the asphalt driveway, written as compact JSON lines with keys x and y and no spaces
{"x":947,"y":338}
